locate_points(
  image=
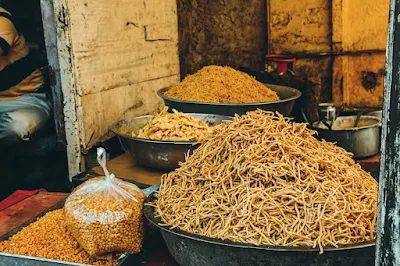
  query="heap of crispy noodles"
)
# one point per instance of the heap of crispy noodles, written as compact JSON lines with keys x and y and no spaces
{"x":265,"y":181}
{"x":216,"y":84}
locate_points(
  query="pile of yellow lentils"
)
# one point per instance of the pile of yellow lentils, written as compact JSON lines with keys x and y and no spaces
{"x":49,"y":238}
{"x":104,"y":222}
{"x":91,"y":228}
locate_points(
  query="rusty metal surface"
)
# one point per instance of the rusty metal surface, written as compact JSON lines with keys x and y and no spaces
{"x":348,"y":38}
{"x":17,"y":214}
{"x":358,"y":81}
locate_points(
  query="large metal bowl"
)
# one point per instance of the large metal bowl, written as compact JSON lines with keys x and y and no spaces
{"x":163,"y":155}
{"x":284,"y":106}
{"x":194,"y":250}
{"x":363,"y":141}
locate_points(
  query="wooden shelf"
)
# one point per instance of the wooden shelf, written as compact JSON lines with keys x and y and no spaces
{"x":124,"y":167}
{"x":370,"y":164}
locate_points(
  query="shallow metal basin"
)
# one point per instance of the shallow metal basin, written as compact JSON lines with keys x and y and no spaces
{"x":288,"y":96}
{"x":163,"y":155}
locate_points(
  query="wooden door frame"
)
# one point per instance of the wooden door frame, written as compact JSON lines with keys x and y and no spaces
{"x":66,"y":103}
{"x":388,"y":217}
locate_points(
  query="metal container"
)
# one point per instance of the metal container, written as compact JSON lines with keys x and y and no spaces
{"x":8,"y":259}
{"x":284,"y":106}
{"x":363,"y":141}
{"x":163,"y":155}
{"x":193,"y":250}
{"x":327,"y":112}
{"x":377,"y":114}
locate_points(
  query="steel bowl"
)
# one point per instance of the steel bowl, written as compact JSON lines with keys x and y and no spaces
{"x":194,"y":250}
{"x":377,"y":114}
{"x":288,"y":96}
{"x":363,"y":141}
{"x":157,"y":154}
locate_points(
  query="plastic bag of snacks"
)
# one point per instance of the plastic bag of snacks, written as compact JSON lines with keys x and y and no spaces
{"x":105,"y":214}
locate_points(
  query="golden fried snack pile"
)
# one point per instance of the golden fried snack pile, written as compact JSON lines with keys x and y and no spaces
{"x":263,"y":180}
{"x":173,"y":127}
{"x":49,"y":238}
{"x":216,"y":84}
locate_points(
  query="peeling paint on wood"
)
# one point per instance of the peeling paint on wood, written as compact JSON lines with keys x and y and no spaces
{"x":113,"y":56}
{"x":349,"y":85}
{"x":122,"y":53}
{"x":388,"y":221}
{"x":68,"y":85}
{"x":50,"y":36}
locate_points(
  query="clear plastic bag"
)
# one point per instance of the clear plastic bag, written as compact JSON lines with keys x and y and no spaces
{"x":105,"y":214}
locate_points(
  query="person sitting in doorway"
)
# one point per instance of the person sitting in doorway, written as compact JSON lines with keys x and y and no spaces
{"x":24,"y":109}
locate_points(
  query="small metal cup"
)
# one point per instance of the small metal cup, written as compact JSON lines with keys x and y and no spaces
{"x":327,"y":112}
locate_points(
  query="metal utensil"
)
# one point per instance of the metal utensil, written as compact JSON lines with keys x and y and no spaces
{"x":194,"y":250}
{"x":164,"y":155}
{"x":363,"y":141}
{"x":284,"y":106}
{"x":327,"y":112}
{"x":357,"y":120}
{"x":327,"y":125}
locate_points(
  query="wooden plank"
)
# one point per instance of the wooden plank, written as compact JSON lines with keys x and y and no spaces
{"x":101,"y":110}
{"x":111,"y":49}
{"x":370,"y":164}
{"x":17,"y":214}
{"x":363,"y":24}
{"x":50,"y":36}
{"x":358,"y":81}
{"x":388,"y":220}
{"x":123,"y":52}
{"x":125,"y":167}
{"x":71,"y":102}
{"x":160,"y":32}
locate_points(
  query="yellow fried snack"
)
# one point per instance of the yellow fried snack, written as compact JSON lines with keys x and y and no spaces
{"x":217,"y":84}
{"x":49,"y":238}
{"x":105,"y":215}
{"x":174,"y":126}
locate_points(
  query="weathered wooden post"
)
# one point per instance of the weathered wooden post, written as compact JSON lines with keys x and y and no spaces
{"x":388,"y":221}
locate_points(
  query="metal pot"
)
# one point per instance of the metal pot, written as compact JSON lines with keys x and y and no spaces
{"x":194,"y":250}
{"x":327,"y":112}
{"x":377,"y":114}
{"x":363,"y":141}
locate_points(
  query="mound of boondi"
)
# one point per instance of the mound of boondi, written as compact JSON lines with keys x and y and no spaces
{"x":48,"y":237}
{"x":265,"y":181}
{"x":216,"y":84}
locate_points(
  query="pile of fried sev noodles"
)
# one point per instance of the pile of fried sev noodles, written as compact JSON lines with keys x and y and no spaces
{"x":217,"y":84}
{"x":263,"y":180}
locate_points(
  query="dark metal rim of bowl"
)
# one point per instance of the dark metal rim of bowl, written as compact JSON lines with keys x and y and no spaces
{"x":149,"y":214}
{"x":296,"y":94}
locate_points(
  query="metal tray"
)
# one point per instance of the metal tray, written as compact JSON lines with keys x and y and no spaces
{"x":21,"y":260}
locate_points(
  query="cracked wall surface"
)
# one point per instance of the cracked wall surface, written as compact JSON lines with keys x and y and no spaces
{"x":337,"y":42}
{"x":221,"y":32}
